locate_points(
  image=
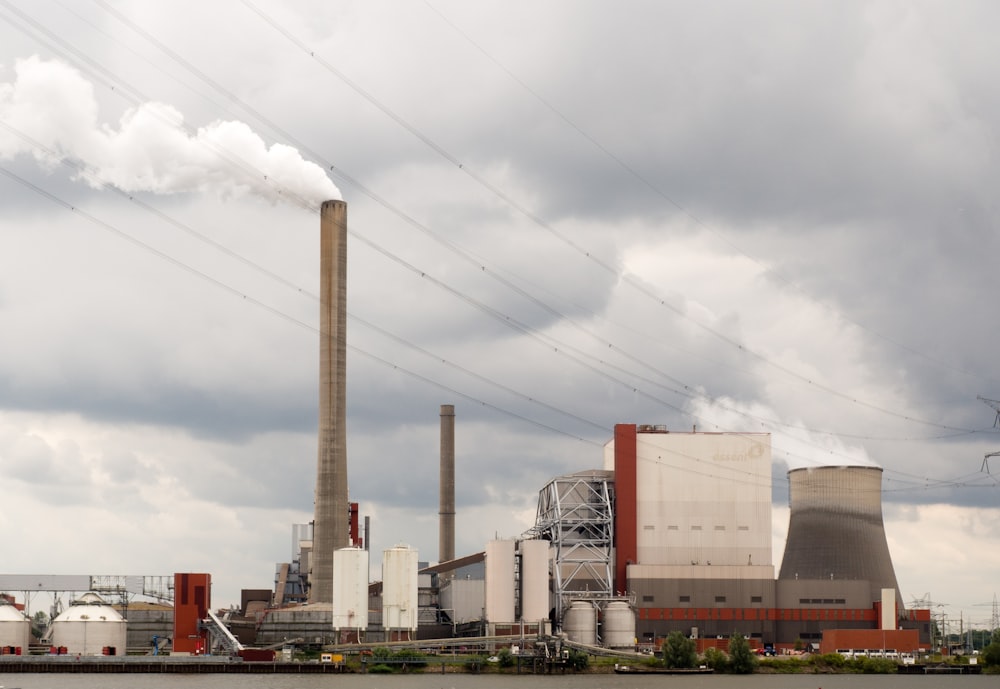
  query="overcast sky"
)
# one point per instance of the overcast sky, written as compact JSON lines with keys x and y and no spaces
{"x":756,"y":216}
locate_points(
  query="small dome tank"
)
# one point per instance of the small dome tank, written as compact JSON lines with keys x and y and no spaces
{"x":15,"y":628}
{"x":89,"y":626}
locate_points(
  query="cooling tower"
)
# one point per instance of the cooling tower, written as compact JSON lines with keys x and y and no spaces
{"x":331,"y":528}
{"x":835,"y":530}
{"x":446,"y":513}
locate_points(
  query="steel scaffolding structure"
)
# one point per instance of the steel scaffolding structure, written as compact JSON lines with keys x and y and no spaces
{"x":576,"y":514}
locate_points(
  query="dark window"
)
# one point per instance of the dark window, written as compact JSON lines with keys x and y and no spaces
{"x":685,"y":599}
{"x":647,"y":599}
{"x":756,"y":599}
{"x":720,"y":599}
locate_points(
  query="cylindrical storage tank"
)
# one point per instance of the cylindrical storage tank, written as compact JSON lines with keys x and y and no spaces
{"x":350,"y":589}
{"x":580,"y":623}
{"x":835,"y":528}
{"x":534,"y":580}
{"x":618,"y":630}
{"x":500,"y":582}
{"x":89,"y":626}
{"x":15,"y":628}
{"x":400,"y":606}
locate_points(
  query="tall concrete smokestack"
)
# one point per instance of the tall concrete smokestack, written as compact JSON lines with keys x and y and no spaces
{"x":331,"y":528}
{"x":446,"y":514}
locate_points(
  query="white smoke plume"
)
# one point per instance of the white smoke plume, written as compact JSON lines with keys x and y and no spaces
{"x":51,"y":103}
{"x":791,"y":441}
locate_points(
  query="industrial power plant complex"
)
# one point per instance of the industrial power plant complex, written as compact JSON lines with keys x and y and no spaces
{"x":671,"y":532}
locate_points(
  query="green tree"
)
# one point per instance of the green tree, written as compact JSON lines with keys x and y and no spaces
{"x":991,"y":654}
{"x":742,"y":660}
{"x":39,"y":623}
{"x":679,"y":651}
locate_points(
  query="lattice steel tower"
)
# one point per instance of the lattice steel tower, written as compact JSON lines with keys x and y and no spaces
{"x":576,"y":514}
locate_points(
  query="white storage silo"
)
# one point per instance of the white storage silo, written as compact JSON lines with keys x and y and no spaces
{"x":500,"y":582}
{"x":350,"y":589}
{"x":89,"y":626}
{"x":15,"y":628}
{"x":534,"y":580}
{"x":579,"y":622}
{"x":618,"y":630}
{"x":400,"y":605}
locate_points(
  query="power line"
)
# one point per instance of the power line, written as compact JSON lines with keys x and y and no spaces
{"x":647,"y":183}
{"x":527,"y":295}
{"x":952,"y":430}
{"x":593,"y":257}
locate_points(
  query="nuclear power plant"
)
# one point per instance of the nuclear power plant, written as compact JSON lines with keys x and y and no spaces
{"x":671,"y":532}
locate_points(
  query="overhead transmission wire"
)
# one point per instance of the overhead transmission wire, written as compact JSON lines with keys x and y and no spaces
{"x":217,"y":86}
{"x":82,"y":170}
{"x":110,"y":81}
{"x":636,"y":285}
{"x":527,"y":330}
{"x":260,"y":304}
{"x":646,"y":182}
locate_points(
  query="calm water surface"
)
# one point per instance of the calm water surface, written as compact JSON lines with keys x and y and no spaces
{"x":430,"y":681}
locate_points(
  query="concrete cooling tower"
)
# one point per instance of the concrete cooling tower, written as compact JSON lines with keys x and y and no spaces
{"x":835,"y":531}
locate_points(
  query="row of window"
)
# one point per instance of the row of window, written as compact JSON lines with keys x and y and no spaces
{"x":694,"y":527}
{"x":758,"y":599}
{"x":687,"y":599}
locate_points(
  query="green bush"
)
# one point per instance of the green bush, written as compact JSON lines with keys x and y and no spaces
{"x":409,"y":659}
{"x":716,"y":659}
{"x":506,"y":658}
{"x":380,"y":669}
{"x":831,"y":661}
{"x":783,"y":665}
{"x":875,"y":666}
{"x":578,"y":660}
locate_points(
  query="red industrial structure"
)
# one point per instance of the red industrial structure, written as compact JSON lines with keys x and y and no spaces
{"x":192,"y":600}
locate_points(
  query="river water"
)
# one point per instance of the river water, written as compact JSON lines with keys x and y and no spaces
{"x":459,"y":681}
